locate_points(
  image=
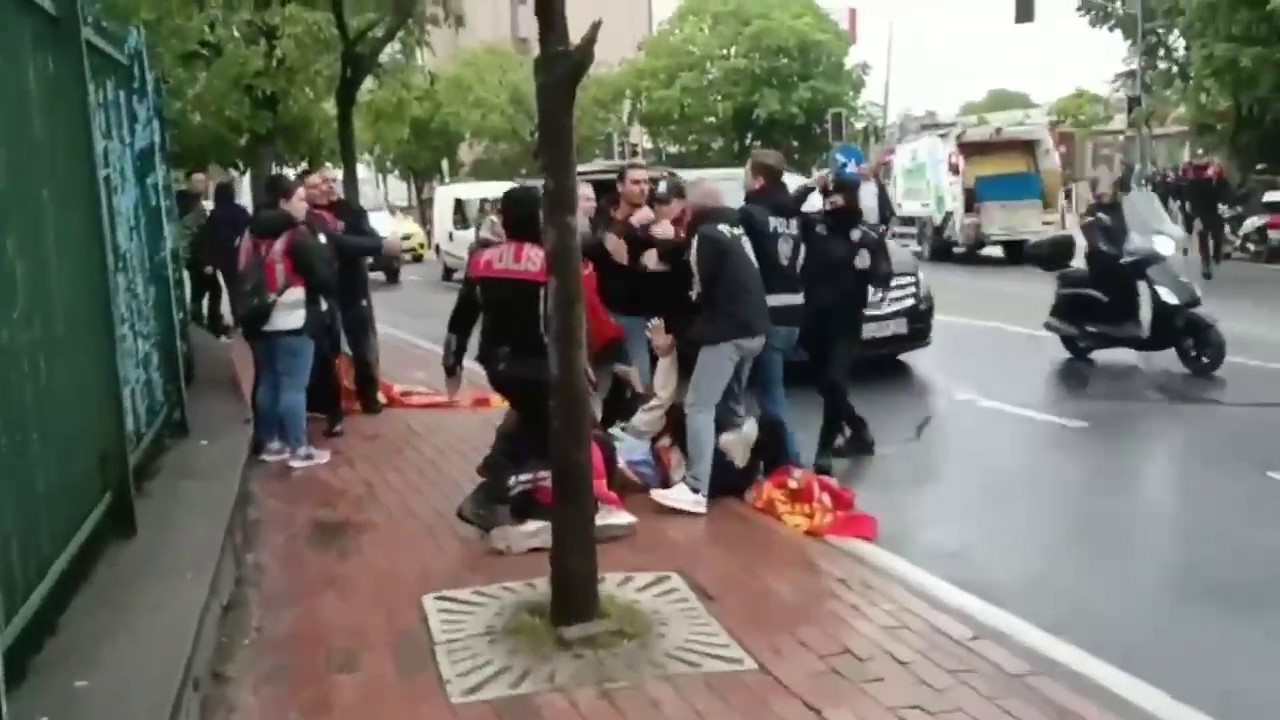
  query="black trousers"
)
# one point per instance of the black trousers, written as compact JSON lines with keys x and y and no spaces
{"x":831,"y":340}
{"x":324,"y":392}
{"x":361,"y":329}
{"x":521,"y":443}
{"x":205,"y":289}
{"x":1211,"y":238}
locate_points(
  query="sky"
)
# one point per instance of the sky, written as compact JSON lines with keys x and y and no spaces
{"x":947,"y":52}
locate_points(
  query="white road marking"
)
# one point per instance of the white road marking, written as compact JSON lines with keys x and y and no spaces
{"x":1007,"y":327}
{"x":1132,"y":689}
{"x":1273,"y":474}
{"x":468,"y":364}
{"x":1021,"y":411}
{"x":413,"y":277}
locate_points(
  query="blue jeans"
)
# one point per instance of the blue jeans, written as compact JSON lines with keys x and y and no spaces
{"x":636,"y":329}
{"x":283,"y":364}
{"x":767,"y":382}
{"x":719,"y":383}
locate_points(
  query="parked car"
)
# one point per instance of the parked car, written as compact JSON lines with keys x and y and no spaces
{"x":393,"y":222}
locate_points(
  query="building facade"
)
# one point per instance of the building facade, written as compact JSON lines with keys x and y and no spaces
{"x":626,"y":24}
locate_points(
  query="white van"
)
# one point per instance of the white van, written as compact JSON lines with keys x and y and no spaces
{"x":455,"y":212}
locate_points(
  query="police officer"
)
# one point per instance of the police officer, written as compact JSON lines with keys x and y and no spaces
{"x":845,"y":260}
{"x":777,"y":231}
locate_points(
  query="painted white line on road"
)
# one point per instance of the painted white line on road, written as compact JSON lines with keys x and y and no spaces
{"x":1021,"y":411}
{"x":1273,"y":474}
{"x":975,"y":322}
{"x":413,"y":277}
{"x":429,"y":346}
{"x":1134,"y":690}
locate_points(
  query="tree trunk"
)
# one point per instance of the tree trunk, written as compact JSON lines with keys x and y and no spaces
{"x":558,"y":71}
{"x":344,"y":99}
{"x":416,"y":184}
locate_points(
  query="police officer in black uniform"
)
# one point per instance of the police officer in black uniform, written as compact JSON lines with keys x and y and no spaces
{"x":845,"y":260}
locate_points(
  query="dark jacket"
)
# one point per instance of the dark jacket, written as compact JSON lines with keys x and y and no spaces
{"x":1206,"y":186}
{"x":728,"y":292}
{"x":778,"y":232}
{"x":309,"y":257}
{"x":628,"y":288}
{"x":347,"y":230}
{"x":842,"y":266}
{"x":505,"y":290}
{"x":216,"y":241}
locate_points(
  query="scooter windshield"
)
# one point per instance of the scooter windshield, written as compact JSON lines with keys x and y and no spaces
{"x":1147,"y":217}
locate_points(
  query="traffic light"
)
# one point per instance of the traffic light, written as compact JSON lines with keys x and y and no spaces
{"x":1132,"y":104}
{"x":835,"y":127}
{"x":1024,"y":12}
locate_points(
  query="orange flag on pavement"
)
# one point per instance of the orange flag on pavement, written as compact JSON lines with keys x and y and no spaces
{"x":410,"y":396}
{"x":811,"y":503}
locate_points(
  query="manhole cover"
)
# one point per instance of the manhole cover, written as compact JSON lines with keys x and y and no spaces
{"x":477,"y":663}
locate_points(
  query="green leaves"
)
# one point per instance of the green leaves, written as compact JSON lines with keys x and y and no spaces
{"x":486,"y":94}
{"x":998,"y":100}
{"x":402,"y":125}
{"x":722,"y":76}
{"x":1081,"y":109}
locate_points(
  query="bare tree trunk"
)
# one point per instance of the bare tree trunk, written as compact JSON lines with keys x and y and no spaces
{"x":345,"y":109}
{"x":558,"y":71}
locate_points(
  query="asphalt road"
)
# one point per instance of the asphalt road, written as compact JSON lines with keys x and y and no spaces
{"x":1120,"y":505}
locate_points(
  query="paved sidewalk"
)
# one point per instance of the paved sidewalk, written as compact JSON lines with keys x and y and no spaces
{"x":345,"y":552}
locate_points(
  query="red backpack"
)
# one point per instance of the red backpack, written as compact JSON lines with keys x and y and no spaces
{"x":266,"y":272}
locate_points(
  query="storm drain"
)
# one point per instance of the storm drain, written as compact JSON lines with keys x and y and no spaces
{"x":478,"y":663}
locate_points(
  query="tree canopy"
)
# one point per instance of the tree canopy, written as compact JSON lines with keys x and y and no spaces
{"x":1082,"y":109}
{"x":998,"y":100}
{"x":722,"y":76}
{"x":1212,"y":57}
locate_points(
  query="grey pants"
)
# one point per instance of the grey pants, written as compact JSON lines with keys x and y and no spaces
{"x":719,"y":382}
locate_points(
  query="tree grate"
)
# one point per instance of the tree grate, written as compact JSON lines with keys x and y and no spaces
{"x":477,"y":662}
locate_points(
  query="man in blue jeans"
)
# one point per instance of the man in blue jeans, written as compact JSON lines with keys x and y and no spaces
{"x":728,"y":327}
{"x":777,"y":231}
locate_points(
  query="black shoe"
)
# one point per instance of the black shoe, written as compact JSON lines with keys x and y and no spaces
{"x":822,"y":464}
{"x":1207,"y":272}
{"x":476,"y":512}
{"x":371,"y":406}
{"x":860,"y":445}
{"x":335,"y":429}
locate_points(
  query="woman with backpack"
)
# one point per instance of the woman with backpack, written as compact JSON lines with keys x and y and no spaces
{"x":283,"y":273}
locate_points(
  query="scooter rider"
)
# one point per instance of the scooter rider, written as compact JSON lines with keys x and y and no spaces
{"x":1105,"y":229}
{"x":845,"y":259}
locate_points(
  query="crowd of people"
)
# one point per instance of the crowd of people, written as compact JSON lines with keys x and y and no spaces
{"x":296,"y":271}
{"x":719,"y":297}
{"x":1197,"y":190}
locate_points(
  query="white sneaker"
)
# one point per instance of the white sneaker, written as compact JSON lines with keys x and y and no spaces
{"x":525,"y":537}
{"x":613,"y":523}
{"x":680,"y":497}
{"x":309,"y":457}
{"x":274,"y":452}
{"x":737,"y":444}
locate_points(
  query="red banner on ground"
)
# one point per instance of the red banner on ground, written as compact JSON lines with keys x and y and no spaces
{"x":411,"y":396}
{"x":811,"y":503}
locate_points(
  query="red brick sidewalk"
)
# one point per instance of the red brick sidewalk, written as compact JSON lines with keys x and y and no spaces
{"x":344,"y":553}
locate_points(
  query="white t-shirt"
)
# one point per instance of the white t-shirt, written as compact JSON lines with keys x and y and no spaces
{"x":869,"y":201}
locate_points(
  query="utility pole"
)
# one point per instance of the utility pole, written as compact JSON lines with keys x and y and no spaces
{"x":1140,"y":42}
{"x":888,"y":74}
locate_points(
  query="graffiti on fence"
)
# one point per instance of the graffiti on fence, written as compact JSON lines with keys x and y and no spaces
{"x":135,"y":182}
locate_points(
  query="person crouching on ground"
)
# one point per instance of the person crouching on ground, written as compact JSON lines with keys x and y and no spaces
{"x":296,"y":274}
{"x":504,"y":289}
{"x":729,"y":325}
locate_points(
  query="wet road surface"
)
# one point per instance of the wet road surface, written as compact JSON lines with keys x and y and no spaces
{"x":1118,"y":504}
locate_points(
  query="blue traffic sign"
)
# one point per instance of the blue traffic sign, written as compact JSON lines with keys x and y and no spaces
{"x":845,"y":159}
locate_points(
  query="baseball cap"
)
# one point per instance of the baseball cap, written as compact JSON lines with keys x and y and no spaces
{"x":668,"y":189}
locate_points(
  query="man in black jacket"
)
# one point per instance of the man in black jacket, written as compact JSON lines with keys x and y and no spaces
{"x":346,"y":226}
{"x":1206,"y":187}
{"x":778,"y":232}
{"x":729,"y":325}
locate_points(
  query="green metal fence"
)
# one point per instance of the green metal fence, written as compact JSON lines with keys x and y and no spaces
{"x":90,"y":358}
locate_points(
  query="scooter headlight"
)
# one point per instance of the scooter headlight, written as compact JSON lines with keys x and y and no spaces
{"x":1164,"y":245}
{"x":1166,"y":295}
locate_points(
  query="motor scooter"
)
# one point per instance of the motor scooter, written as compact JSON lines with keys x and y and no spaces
{"x":1079,"y":311}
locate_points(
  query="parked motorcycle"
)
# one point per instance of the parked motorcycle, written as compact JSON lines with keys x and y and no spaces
{"x":1150,"y":257}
